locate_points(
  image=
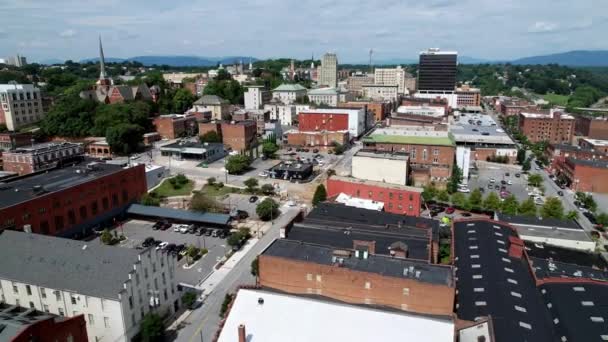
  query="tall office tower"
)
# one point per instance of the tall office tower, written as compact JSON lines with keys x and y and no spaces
{"x":329,"y":70}
{"x":437,"y":75}
{"x":437,"y":70}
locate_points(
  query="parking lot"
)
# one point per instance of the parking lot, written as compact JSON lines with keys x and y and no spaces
{"x":137,"y":231}
{"x":482,"y":180}
{"x":241,"y":202}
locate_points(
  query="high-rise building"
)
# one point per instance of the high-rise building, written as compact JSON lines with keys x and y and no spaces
{"x":390,"y":77}
{"x":20,"y":105}
{"x":17,"y":61}
{"x":437,"y":70}
{"x":329,"y":70}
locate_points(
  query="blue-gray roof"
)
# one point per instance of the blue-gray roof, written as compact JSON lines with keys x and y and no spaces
{"x":176,"y":214}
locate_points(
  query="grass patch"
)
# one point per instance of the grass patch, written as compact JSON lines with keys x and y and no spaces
{"x":166,"y":189}
{"x":219,"y":191}
{"x":556,"y":99}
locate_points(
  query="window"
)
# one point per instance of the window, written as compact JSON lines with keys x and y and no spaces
{"x":28,"y":289}
{"x":32,"y":305}
{"x":406,"y":291}
{"x":165,"y":293}
{"x":58,"y":222}
{"x":71,"y":217}
{"x":83,"y":212}
{"x":105,"y":203}
{"x":61,"y":312}
{"x":136,"y":279}
{"x":125,"y":196}
{"x":370,"y":194}
{"x":130,"y":302}
{"x":44,"y":227}
{"x":424,"y":154}
{"x":45,"y":308}
{"x":57,"y":295}
{"x":94,"y":208}
{"x":42,"y":292}
{"x":319,"y":278}
{"x":435,"y":152}
{"x":145,"y":273}
{"x":368,"y":285}
{"x":390,"y":195}
{"x":73,"y":299}
{"x":163,"y":278}
{"x":114,"y":200}
{"x":15,"y":288}
{"x":91,"y":319}
{"x":400,"y":196}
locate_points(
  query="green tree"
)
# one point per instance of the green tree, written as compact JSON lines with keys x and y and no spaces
{"x":106,"y":237}
{"x":521,"y":156}
{"x":509,"y":206}
{"x":225,"y":304}
{"x":203,"y":203}
{"x":338,"y":148}
{"x":267,"y":189}
{"x":458,"y":199}
{"x":255,"y":267}
{"x":237,"y":164}
{"x":211,"y":180}
{"x":552,"y":208}
{"x":188,"y":299}
{"x":492,"y":202}
{"x":429,"y":192}
{"x":210,"y":137}
{"x":269,"y":149}
{"x":182,"y":100}
{"x":150,"y":199}
{"x":602,"y":219}
{"x":124,"y":138}
{"x":320,"y":195}
{"x":475,"y":199}
{"x":528,"y":207}
{"x":572,"y":215}
{"x":152,"y":328}
{"x":191,"y":253}
{"x":535,"y":179}
{"x":525,"y":166}
{"x":455,"y":179}
{"x":443,"y":196}
{"x":268,"y":209}
{"x":251,"y":184}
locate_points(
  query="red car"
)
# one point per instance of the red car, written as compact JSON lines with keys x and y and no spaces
{"x":450,"y":210}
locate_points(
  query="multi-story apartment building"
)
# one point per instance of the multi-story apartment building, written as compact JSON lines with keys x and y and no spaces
{"x":556,"y":127}
{"x":285,"y":114}
{"x":256,"y":96}
{"x":173,"y":126}
{"x":355,"y":82}
{"x":259,"y":116}
{"x":114,"y":288}
{"x":379,"y":110}
{"x":29,"y":159}
{"x":591,"y":127}
{"x":70,"y":201}
{"x":20,"y":105}
{"x":328,"y":75}
{"x":289,"y":93}
{"x":240,"y":136}
{"x":353,"y":121}
{"x":391,"y":76}
{"x":468,"y":96}
{"x":514,"y":106}
{"x":431,"y":153}
{"x":584,"y":175}
{"x":220,"y":108}
{"x":597,"y":145}
{"x":381,"y":92}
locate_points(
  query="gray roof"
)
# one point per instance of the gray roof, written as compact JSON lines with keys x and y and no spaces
{"x":64,"y":264}
{"x":23,"y":189}
{"x":378,"y":264}
{"x":176,"y":214}
{"x":210,"y":100}
{"x":289,"y":87}
{"x":547,"y":222}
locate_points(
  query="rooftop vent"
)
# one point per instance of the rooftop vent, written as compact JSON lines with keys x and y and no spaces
{"x":260,"y":301}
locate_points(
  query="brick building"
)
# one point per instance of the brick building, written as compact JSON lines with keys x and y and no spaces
{"x":584,"y":175}
{"x":397,"y":199}
{"x":555,"y":127}
{"x":70,"y":201}
{"x":594,"y":144}
{"x":557,"y":153}
{"x":354,"y":121}
{"x":29,"y":159}
{"x":431,"y":153}
{"x":426,"y":102}
{"x":240,"y":136}
{"x":259,"y":116}
{"x":12,"y":140}
{"x":379,"y":110}
{"x":174,"y":126}
{"x":210,"y":126}
{"x":316,"y":139}
{"x":18,"y":324}
{"x":357,"y":275}
{"x":98,"y":147}
{"x":514,"y":106}
{"x":591,"y":127}
{"x":468,"y":96}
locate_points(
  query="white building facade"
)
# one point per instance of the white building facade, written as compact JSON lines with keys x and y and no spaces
{"x":20,"y":105}
{"x":391,"y":76}
{"x":256,"y":97}
{"x":381,"y":92}
{"x":380,"y":167}
{"x":328,"y":72}
{"x":46,"y":281}
{"x":289,"y":93}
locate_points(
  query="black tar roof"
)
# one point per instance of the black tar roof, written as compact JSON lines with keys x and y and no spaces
{"x":547,"y":222}
{"x":190,"y":144}
{"x":383,"y":265}
{"x":492,"y":283}
{"x":546,"y":268}
{"x":417,"y":240}
{"x":565,"y":255}
{"x":176,"y":214}
{"x":579,"y":310}
{"x":22,"y":189}
{"x":292,"y":166}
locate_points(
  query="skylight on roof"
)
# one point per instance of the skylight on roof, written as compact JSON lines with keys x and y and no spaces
{"x":597,"y":319}
{"x":506,"y":260}
{"x":500,"y":242}
{"x":502,"y":250}
{"x":474,"y":256}
{"x":516,"y":294}
{"x":520,"y":308}
{"x":481,"y":303}
{"x":475,"y":266}
{"x":587,"y":303}
{"x":512,"y":281}
{"x":525,"y":325}
{"x":578,"y":289}
{"x":479,"y":289}
{"x":510,"y":270}
{"x":477,"y":276}
{"x":473,"y":247}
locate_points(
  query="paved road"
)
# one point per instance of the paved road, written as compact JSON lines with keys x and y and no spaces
{"x":204,"y":321}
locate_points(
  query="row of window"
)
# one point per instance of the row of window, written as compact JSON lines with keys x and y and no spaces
{"x":367,"y":285}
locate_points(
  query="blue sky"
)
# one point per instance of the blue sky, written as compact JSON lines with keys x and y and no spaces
{"x":491,"y":29}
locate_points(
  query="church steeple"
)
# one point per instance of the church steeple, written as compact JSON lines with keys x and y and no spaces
{"x":102,"y":62}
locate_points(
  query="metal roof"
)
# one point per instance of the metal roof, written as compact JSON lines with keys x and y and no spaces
{"x":176,"y":214}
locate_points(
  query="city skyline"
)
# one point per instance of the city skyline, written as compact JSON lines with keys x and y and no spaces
{"x":268,"y":29}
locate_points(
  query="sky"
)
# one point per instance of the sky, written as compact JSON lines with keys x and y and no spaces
{"x":394,"y":29}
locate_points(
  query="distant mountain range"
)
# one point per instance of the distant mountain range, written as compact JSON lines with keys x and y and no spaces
{"x":178,"y":61}
{"x":576,"y":58}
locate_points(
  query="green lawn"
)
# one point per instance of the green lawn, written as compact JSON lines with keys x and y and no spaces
{"x":214,"y":191}
{"x":560,"y":100}
{"x":167,"y":190}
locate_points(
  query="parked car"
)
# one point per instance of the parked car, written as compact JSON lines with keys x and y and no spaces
{"x":507,"y":174}
{"x":562,"y":186}
{"x":509,"y":182}
{"x":149,"y":241}
{"x":492,"y":180}
{"x":503,"y":182}
{"x":490,"y":186}
{"x":517,"y":175}
{"x":305,"y":150}
{"x":482,"y":189}
{"x":176,"y":227}
{"x":315,"y":150}
{"x":450,"y":210}
{"x":200,"y":231}
{"x":253,"y":199}
{"x":162,"y":245}
{"x":465,"y":214}
{"x":157,"y":225}
{"x":590,"y":217}
{"x":208,"y":232}
{"x":183,"y":229}
{"x":464,"y":189}
{"x":166,"y":225}
{"x":242,"y":214}
{"x":192,"y":229}
{"x":561,"y":193}
{"x":497,"y":187}
{"x":223,"y":234}
{"x":214,"y":233}
{"x":289,"y":149}
{"x":263,"y":174}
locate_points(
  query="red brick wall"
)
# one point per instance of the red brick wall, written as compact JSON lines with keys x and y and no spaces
{"x":309,"y":122}
{"x":445,"y":158}
{"x":46,"y":208}
{"x":585,"y":144}
{"x":350,"y":286}
{"x":379,"y":110}
{"x":171,"y":128}
{"x":395,"y":201}
{"x":317,"y":139}
{"x":17,"y":162}
{"x":554,"y":130}
{"x":239,"y":136}
{"x":595,"y":129}
{"x":588,"y":179}
{"x":51,"y":331}
{"x":116,"y":96}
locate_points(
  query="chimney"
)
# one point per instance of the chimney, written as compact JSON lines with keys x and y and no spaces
{"x":242,"y":334}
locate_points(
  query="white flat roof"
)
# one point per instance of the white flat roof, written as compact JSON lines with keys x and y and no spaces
{"x":596,"y":142}
{"x":298,"y":319}
{"x":331,"y":111}
{"x":545,"y":116}
{"x":359,"y":202}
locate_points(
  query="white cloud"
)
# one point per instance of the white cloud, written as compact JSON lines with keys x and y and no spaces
{"x":186,"y":42}
{"x":543,"y":27}
{"x":67,"y":33}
